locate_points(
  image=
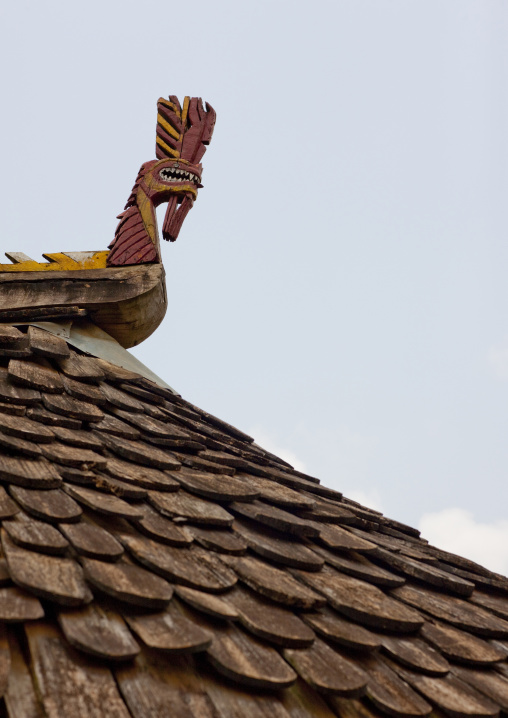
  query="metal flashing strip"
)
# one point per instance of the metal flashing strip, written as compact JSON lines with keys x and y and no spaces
{"x":92,"y":340}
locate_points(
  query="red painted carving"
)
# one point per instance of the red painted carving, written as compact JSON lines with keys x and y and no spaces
{"x":174,"y":177}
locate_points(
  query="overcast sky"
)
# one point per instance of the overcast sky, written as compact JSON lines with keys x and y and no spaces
{"x":340,"y":288}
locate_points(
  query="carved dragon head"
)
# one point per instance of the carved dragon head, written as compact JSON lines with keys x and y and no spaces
{"x":183,"y":131}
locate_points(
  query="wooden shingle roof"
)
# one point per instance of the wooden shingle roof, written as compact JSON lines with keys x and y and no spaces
{"x":157,"y":562}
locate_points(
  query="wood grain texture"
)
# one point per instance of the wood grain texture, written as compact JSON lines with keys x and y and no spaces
{"x":192,"y":567}
{"x":52,"y":577}
{"x":362,"y":601}
{"x":35,"y":376}
{"x":453,"y":610}
{"x":98,"y":632}
{"x":62,"y":672}
{"x":327,"y":671}
{"x":248,"y":661}
{"x":51,"y":505}
{"x":192,"y":508}
{"x":128,"y":583}
{"x":461,"y":646}
{"x":35,"y":535}
{"x":170,"y":631}
{"x":92,"y":541}
{"x":274,"y":584}
{"x":338,"y":629}
{"x":289,"y":552}
{"x":268,"y":621}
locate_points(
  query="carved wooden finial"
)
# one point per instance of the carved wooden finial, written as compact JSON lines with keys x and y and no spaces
{"x":182,"y":135}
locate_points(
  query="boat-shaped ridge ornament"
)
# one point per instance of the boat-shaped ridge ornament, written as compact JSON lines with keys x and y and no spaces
{"x":122,"y":289}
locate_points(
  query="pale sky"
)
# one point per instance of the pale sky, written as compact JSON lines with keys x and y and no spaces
{"x":340,"y":288}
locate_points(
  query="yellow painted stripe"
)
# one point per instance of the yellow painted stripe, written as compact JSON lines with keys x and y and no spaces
{"x":163,"y":145}
{"x":185,"y":110}
{"x":168,"y":104}
{"x":166,"y":126}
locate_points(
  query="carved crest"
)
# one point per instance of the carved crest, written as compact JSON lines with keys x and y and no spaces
{"x":183,"y":131}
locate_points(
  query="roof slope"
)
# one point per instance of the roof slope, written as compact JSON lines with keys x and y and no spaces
{"x":156,"y":562}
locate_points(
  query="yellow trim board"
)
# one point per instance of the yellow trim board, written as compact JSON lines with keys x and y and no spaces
{"x":57,"y":261}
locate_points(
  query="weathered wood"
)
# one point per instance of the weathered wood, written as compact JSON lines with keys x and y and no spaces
{"x":76,"y":437}
{"x":143,"y":476}
{"x":47,"y":345}
{"x":362,"y":601}
{"x":157,"y":527}
{"x":50,"y":505}
{"x":77,"y":476}
{"x":490,"y":683}
{"x":493,"y":602}
{"x":112,"y":425}
{"x":416,"y":654}
{"x":164,"y":686}
{"x":191,"y":566}
{"x":289,"y":552}
{"x":8,"y":508}
{"x":119,"y":488}
{"x":389,"y":693}
{"x":150,"y":396}
{"x":198,"y":464}
{"x":98,"y":632}
{"x":245,"y":659}
{"x":11,"y":337}
{"x":73,"y":456}
{"x":218,"y":540}
{"x":17,"y":605}
{"x":275,"y":518}
{"x":338,"y":538}
{"x":170,"y":631}
{"x":453,"y":610}
{"x":83,"y":391}
{"x":12,"y":409}
{"x":339,"y":630}
{"x":116,"y":373}
{"x":52,"y":577}
{"x":42,"y":415}
{"x":80,"y":367}
{"x":138,"y":452}
{"x":103,"y":503}
{"x":12,"y":394}
{"x":273,"y":583}
{"x":29,"y":473}
{"x":25,"y":428}
{"x":331,"y":513}
{"x":121,"y":399}
{"x":277,"y":494}
{"x":73,"y":408}
{"x":61,"y":673}
{"x":128,"y":583}
{"x":20,"y":698}
{"x":92,"y":541}
{"x":426,"y":573}
{"x":127,"y":302}
{"x":354,"y":564}
{"x":31,"y":314}
{"x":461,"y":646}
{"x":451,"y":695}
{"x":35,"y":535}
{"x":327,"y":671}
{"x":268,"y":621}
{"x":216,"y":486}
{"x":192,"y":508}
{"x":35,"y":375}
{"x":207,"y":603}
{"x":19,"y":446}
